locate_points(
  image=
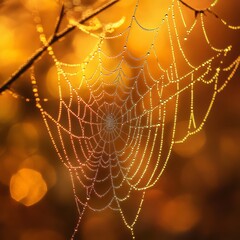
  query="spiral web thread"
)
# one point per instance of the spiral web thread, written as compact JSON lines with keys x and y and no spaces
{"x":112,"y":129}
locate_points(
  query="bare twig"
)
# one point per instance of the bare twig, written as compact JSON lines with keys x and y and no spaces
{"x":198,"y":11}
{"x":54,"y":38}
{"x":58,"y":35}
{"x":213,"y":13}
{"x":188,"y":6}
{"x":59,"y":21}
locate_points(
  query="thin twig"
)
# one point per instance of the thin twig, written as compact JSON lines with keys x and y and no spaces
{"x":58,"y":35}
{"x":213,"y":13}
{"x":54,"y":38}
{"x":59,"y":21}
{"x":198,"y":11}
{"x":188,"y":6}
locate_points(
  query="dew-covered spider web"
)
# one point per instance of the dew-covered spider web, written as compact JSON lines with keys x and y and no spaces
{"x":118,"y":111}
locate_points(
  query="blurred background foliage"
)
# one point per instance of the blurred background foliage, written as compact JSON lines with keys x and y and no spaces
{"x":198,"y":196}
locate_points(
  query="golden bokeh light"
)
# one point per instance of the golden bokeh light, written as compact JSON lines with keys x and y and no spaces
{"x":12,"y":42}
{"x":27,"y":186}
{"x":40,"y":4}
{"x":42,"y":165}
{"x":160,"y":55}
{"x":229,"y":145}
{"x":52,"y":82}
{"x":179,"y":215}
{"x":9,"y":108}
{"x":23,"y":138}
{"x":89,"y":43}
{"x":200,"y":171}
{"x":126,"y":3}
{"x":9,"y":54}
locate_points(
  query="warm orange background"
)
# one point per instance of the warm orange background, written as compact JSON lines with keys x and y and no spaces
{"x":198,"y":196}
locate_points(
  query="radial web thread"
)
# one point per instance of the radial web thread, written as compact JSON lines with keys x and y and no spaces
{"x":115,"y":126}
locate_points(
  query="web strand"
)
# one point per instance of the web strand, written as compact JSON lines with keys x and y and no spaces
{"x":117,"y":124}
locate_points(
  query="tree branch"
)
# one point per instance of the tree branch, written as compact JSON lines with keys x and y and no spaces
{"x":59,"y":21}
{"x":54,"y":38}
{"x":58,"y":35}
{"x":198,"y":11}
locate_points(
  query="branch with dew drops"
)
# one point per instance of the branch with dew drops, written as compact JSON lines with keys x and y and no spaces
{"x":54,"y":38}
{"x":59,"y":35}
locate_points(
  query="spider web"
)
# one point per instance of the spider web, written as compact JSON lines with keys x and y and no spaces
{"x":118,"y":113}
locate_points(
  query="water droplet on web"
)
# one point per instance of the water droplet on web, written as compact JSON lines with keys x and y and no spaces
{"x":125,"y":128}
